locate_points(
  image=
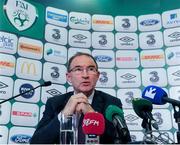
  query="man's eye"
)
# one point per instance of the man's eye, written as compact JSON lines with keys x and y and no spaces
{"x":92,"y":69}
{"x":78,"y":69}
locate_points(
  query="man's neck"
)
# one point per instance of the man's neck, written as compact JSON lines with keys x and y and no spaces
{"x":85,"y":93}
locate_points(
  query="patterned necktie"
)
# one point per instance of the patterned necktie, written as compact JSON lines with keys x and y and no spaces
{"x":81,"y":135}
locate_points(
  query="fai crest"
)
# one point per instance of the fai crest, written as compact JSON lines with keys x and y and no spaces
{"x":21,"y":14}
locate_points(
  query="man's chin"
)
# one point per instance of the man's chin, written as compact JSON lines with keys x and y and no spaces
{"x":86,"y":90}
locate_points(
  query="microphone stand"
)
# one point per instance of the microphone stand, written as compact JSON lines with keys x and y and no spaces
{"x":177,"y":120}
{"x":42,"y":85}
{"x":148,"y":128}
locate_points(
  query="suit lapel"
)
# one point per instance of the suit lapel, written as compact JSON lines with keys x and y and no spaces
{"x":98,"y":102}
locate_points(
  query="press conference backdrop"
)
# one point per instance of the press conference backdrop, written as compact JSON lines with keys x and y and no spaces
{"x":135,"y":43}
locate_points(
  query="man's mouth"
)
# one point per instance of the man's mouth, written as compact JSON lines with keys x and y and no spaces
{"x":85,"y":83}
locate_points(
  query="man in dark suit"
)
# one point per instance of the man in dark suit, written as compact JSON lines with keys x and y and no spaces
{"x":82,"y":74}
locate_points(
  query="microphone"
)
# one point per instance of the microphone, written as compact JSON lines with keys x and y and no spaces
{"x":93,"y":126}
{"x":143,"y":109}
{"x":158,"y":96}
{"x":116,"y":115}
{"x":44,"y":84}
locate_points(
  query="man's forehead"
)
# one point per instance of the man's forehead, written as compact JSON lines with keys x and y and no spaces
{"x":83,"y":59}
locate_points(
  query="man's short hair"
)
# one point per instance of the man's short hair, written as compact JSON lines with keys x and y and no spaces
{"x":80,"y":54}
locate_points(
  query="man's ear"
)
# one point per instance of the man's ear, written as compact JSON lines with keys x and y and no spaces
{"x":68,"y":77}
{"x":98,"y":74}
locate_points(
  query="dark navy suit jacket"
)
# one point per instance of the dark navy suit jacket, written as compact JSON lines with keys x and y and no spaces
{"x":48,"y":129}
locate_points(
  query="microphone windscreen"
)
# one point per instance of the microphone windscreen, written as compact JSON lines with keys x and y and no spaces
{"x":140,"y":106}
{"x":154,"y":94}
{"x":112,"y":110}
{"x":45,"y":84}
{"x":93,"y":123}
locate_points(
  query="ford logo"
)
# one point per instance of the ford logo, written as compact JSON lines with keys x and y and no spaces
{"x":103,"y":58}
{"x":21,"y":138}
{"x":149,"y":22}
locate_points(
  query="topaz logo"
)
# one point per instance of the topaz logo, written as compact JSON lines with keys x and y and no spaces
{"x":128,"y":76}
{"x":21,"y":138}
{"x":149,"y":22}
{"x":26,"y":87}
{"x":103,"y":58}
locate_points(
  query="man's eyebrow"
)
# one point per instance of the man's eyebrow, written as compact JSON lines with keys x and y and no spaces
{"x":77,"y":66}
{"x":82,"y":66}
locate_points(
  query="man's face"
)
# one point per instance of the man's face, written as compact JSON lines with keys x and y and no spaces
{"x":83,"y":74}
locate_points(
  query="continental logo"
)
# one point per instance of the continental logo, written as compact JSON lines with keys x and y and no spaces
{"x":28,"y":68}
{"x":106,"y":22}
{"x":30,"y":48}
{"x":152,"y":57}
{"x":6,"y":64}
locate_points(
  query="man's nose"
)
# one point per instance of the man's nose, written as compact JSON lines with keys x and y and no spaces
{"x":85,"y":72}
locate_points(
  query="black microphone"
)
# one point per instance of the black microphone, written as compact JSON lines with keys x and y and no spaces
{"x":143,"y":109}
{"x":45,"y":84}
{"x":116,"y":115}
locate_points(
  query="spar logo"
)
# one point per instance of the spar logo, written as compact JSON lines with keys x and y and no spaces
{"x":20,"y":13}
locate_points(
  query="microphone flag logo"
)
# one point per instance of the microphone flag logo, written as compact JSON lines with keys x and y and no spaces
{"x":87,"y":122}
{"x":150,"y":93}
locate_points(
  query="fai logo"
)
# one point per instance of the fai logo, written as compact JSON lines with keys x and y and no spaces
{"x":20,"y":13}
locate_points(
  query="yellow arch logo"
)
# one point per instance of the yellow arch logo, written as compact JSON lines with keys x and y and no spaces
{"x":28,"y":68}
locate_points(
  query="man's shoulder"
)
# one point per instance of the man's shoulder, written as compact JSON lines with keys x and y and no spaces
{"x":61,"y":97}
{"x":105,"y":95}
{"x":108,"y":98}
